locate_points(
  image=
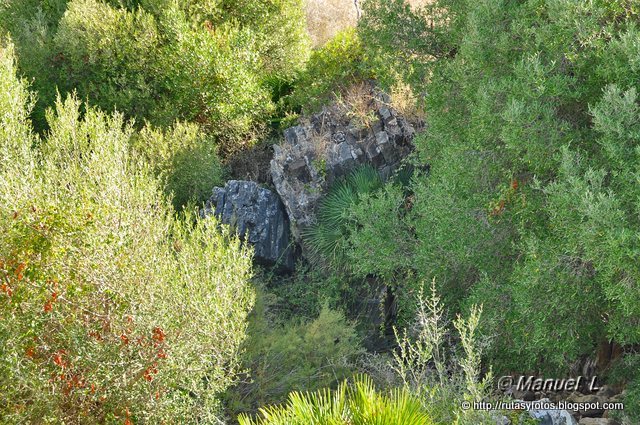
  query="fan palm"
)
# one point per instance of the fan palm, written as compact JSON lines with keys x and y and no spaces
{"x":327,"y":240}
{"x":356,"y":404}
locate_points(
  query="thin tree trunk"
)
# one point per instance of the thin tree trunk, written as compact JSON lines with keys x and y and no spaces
{"x":356,"y":3}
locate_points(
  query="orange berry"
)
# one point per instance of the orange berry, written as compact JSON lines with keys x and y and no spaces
{"x":19,"y":270}
{"x":158,"y":334}
{"x":30,"y":352}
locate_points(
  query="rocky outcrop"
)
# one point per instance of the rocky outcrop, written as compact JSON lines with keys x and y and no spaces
{"x":541,"y":416}
{"x":332,"y":143}
{"x":590,"y":415}
{"x":259,"y":218}
{"x":552,"y":417}
{"x":314,"y":154}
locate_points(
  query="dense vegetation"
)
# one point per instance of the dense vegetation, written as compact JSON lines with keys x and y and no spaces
{"x":531,"y":206}
{"x":119,"y":304}
{"x":111,"y":306}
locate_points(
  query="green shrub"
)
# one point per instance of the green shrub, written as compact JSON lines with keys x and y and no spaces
{"x":279,"y":32}
{"x":632,"y":399}
{"x":303,"y":294}
{"x":109,"y":56}
{"x":396,"y":40}
{"x":163,"y":68}
{"x":32,"y":25}
{"x":440,"y":374}
{"x":184,"y":158}
{"x":112,"y":309}
{"x":292,"y":355}
{"x":625,"y":372}
{"x":358,"y":403}
{"x":380,"y":242}
{"x":210,"y":77}
{"x":220,"y":64}
{"x":426,"y":370}
{"x":331,"y":68}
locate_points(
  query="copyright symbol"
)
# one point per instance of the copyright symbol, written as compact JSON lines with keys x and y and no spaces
{"x":505,"y":382}
{"x":466,"y":405}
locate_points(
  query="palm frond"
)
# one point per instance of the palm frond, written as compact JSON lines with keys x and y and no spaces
{"x":365,"y":179}
{"x":356,"y":404}
{"x":327,"y":240}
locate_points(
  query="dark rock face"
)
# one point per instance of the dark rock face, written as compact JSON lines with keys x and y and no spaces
{"x":259,"y":218}
{"x":329,"y":145}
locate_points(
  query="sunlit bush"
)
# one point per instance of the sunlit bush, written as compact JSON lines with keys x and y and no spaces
{"x":184,"y":158}
{"x":109,"y":56}
{"x":112,"y":309}
{"x":222,"y":64}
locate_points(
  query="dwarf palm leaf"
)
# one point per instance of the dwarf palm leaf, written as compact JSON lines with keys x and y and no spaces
{"x":339,"y":199}
{"x":372,"y":408}
{"x":328,"y":240}
{"x":356,"y":404}
{"x":364,"y":180}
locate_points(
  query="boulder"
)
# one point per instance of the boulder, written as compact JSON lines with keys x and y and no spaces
{"x":502,"y":420}
{"x":259,"y":217}
{"x":329,"y":145}
{"x":550,"y":417}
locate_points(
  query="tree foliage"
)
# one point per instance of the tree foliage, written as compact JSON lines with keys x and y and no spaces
{"x":530,"y":206}
{"x":219,"y":63}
